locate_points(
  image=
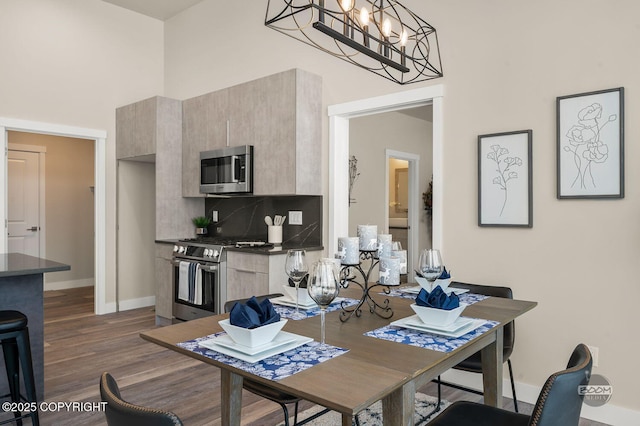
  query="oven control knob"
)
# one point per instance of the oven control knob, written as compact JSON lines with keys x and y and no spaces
{"x":215,"y":253}
{"x":206,"y":252}
{"x":175,"y":248}
{"x":182,"y":249}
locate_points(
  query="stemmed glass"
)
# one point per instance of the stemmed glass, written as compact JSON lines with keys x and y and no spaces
{"x":430,"y":265}
{"x":323,"y":287}
{"x":296,"y":268}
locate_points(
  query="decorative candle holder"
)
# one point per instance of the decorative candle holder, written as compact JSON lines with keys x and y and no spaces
{"x":348,"y":274}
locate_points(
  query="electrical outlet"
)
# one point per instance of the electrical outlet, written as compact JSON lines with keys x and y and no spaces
{"x":594,"y":354}
{"x":214,"y":216}
{"x":295,"y":217}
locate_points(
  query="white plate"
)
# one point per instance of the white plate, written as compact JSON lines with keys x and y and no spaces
{"x":416,"y":290}
{"x":410,"y":323}
{"x":287,"y":301}
{"x":275,"y":349}
{"x":451,"y":328}
{"x":226,"y":341}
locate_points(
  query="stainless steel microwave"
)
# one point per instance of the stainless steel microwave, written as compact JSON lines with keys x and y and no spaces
{"x":227,"y":170}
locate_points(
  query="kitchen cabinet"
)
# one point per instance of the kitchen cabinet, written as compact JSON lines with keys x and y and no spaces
{"x":164,"y":283}
{"x":280,"y":115}
{"x":253,"y":274}
{"x":247,"y":275}
{"x":135,"y":129}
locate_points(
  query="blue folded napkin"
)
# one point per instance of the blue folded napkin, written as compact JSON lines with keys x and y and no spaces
{"x":445,"y":274}
{"x":253,"y":314}
{"x":438,"y":299}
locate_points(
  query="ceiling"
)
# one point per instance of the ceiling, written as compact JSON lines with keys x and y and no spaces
{"x":159,"y":9}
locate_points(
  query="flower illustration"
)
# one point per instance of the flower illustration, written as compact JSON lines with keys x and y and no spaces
{"x":585,"y":144}
{"x":504,"y":165}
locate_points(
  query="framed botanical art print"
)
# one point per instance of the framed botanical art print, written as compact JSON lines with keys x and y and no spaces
{"x":590,"y":145}
{"x":504,"y":179}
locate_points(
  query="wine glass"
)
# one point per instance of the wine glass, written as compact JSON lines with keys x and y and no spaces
{"x":323,"y":288}
{"x":430,"y":265}
{"x":296,"y":268}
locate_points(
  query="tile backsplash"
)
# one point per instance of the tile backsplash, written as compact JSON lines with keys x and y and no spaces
{"x":243,"y":217}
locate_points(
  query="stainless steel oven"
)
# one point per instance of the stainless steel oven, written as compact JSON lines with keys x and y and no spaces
{"x":207,"y":280}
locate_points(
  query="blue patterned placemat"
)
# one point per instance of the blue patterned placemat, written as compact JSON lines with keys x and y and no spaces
{"x":287,"y":312}
{"x":275,"y":367}
{"x":468,"y":298}
{"x":428,"y":340}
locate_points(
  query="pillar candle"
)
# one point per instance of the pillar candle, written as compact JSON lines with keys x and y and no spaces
{"x":389,"y":271}
{"x":368,"y":235}
{"x":348,"y":251}
{"x":384,"y":245}
{"x":402,"y":255}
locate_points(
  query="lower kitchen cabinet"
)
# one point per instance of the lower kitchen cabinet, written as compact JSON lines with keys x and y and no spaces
{"x":164,"y":284}
{"x":253,"y":274}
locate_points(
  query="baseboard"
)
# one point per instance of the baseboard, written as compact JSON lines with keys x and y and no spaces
{"x":142,"y":302}
{"x":609,"y":413}
{"x":62,"y":285}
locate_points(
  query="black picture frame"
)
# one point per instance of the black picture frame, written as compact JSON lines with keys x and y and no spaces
{"x":505,"y":184}
{"x":590,"y":145}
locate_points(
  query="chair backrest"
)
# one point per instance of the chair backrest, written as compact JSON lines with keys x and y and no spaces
{"x":559,"y":403}
{"x":229,"y":303}
{"x":122,"y":413}
{"x":509,"y":335}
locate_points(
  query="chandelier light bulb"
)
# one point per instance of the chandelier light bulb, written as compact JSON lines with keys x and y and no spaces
{"x":404,"y":37}
{"x":364,"y":17}
{"x":347,"y":5}
{"x":386,"y":27}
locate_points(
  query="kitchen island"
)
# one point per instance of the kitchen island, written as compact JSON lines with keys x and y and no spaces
{"x":22,"y":289}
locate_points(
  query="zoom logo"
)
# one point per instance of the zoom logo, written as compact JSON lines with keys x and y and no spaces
{"x":597,"y":392}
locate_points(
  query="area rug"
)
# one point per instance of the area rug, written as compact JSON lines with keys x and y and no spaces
{"x":372,"y":416}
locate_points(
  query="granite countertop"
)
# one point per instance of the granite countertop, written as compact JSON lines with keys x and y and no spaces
{"x":18,"y":264}
{"x":277,"y":249}
{"x":271,"y":250}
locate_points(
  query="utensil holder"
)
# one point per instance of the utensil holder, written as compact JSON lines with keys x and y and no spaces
{"x":274,"y":233}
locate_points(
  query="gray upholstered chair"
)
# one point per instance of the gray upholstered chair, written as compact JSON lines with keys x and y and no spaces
{"x":121,"y":413}
{"x":559,"y":402}
{"x":473,"y":364}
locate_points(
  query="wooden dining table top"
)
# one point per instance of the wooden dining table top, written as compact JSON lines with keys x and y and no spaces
{"x":372,"y":368}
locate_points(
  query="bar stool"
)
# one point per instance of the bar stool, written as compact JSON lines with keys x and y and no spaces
{"x":14,"y":337}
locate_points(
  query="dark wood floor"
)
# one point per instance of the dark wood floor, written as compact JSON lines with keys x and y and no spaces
{"x":79,"y":346}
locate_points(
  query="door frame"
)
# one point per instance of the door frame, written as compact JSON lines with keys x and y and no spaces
{"x":412,"y":206}
{"x":41,"y":151}
{"x":339,"y":116}
{"x":100,"y":141}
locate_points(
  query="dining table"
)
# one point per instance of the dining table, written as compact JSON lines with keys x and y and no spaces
{"x":375,"y":362}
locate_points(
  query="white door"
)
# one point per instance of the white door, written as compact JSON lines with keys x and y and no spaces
{"x":23,"y":202}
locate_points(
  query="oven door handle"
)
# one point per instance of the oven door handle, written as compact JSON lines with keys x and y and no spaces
{"x":203,"y":266}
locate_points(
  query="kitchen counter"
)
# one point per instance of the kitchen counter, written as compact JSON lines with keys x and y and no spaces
{"x":279,"y":249}
{"x":22,"y":289}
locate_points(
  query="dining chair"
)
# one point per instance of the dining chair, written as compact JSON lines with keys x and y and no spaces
{"x":121,"y":413}
{"x":473,"y":364}
{"x":264,"y":391}
{"x":559,"y":402}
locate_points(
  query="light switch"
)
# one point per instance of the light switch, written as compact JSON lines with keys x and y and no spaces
{"x":295,"y":217}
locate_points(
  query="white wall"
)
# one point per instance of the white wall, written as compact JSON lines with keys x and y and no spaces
{"x":72,"y":62}
{"x":505,"y":63}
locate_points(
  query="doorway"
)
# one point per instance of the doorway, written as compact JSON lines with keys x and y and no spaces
{"x":339,"y":145}
{"x":99,"y":138}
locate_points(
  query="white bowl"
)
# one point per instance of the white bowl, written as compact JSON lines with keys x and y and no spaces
{"x":438,"y":317}
{"x":303,"y":295}
{"x":444,"y":284}
{"x":252,"y":337}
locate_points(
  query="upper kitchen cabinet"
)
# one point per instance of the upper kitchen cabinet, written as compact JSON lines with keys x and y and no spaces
{"x":280,"y":115}
{"x":136,"y":129}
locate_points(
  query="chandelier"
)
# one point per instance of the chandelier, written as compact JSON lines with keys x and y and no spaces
{"x":381,"y":36}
